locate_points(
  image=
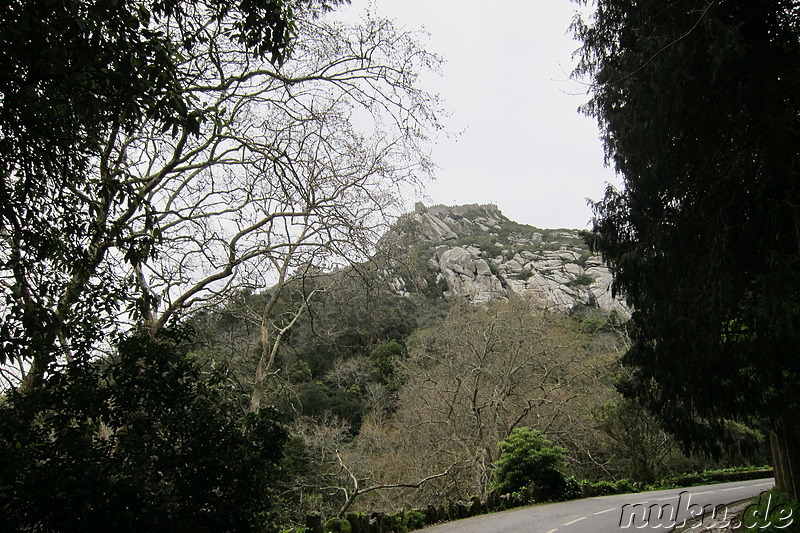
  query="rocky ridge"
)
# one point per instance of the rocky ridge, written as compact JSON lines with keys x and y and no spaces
{"x":475,"y":252}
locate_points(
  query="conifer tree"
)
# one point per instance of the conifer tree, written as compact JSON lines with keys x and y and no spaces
{"x":698,"y":103}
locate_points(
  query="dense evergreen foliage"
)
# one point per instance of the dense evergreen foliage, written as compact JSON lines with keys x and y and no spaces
{"x":146,"y":442}
{"x":699,"y":106}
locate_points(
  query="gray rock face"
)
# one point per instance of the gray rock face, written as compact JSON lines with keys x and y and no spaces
{"x":480,"y":255}
{"x":467,"y":275}
{"x":435,"y":230}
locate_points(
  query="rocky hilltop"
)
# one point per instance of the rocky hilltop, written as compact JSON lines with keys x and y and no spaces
{"x":475,"y":252}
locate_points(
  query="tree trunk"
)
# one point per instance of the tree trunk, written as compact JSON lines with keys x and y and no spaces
{"x":269,"y":349}
{"x":785,"y":444}
{"x":34,"y":377}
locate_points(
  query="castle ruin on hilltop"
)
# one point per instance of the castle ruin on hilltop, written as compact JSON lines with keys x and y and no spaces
{"x":441,"y":209}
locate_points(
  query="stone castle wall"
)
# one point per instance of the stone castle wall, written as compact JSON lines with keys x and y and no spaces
{"x":441,"y":209}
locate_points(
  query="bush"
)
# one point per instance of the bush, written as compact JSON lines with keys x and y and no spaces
{"x":572,"y":490}
{"x":394,"y":522}
{"x":581,"y":280}
{"x":770,"y":512}
{"x":338,"y":525}
{"x":607,"y":488}
{"x":725,"y":475}
{"x":529,"y":460}
{"x":414,"y":519}
{"x":146,"y":443}
{"x":525,"y":274}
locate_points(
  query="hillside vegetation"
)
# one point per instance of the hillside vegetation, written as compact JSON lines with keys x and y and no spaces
{"x":408,"y":371}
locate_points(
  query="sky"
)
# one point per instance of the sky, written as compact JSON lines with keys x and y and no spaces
{"x":506,"y":82}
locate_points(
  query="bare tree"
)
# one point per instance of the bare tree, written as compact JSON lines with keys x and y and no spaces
{"x":482,"y":373}
{"x":284,"y":177}
{"x":290,"y":166}
{"x":352,"y":469}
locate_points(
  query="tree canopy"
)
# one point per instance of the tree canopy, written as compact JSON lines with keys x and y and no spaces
{"x":78,"y":75}
{"x":155,"y":157}
{"x":236,"y":163}
{"x":699,"y":107}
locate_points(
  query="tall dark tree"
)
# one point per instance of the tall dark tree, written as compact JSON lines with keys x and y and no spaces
{"x":699,"y":107}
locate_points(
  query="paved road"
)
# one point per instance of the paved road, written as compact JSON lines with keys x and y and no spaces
{"x":605,"y":514}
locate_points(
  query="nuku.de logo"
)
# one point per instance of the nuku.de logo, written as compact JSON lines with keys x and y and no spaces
{"x":642,"y":515}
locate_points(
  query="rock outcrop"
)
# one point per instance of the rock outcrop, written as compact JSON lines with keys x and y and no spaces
{"x":475,"y":252}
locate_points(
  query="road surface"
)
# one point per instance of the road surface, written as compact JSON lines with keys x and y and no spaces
{"x":647,"y":511}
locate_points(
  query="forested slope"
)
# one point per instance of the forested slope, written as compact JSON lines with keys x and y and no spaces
{"x":413,"y":367}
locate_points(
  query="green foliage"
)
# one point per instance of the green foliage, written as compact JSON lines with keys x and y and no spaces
{"x":383,"y":359}
{"x":607,"y":488}
{"x":581,"y":280}
{"x":414,"y":519}
{"x":637,"y":447}
{"x":635,"y":440}
{"x":584,"y":257}
{"x":142,"y":443}
{"x":571,"y":490}
{"x":337,"y":525}
{"x":525,"y":274}
{"x":348,"y":341}
{"x":528,"y":459}
{"x":317,"y":400}
{"x":394,"y":522}
{"x":593,"y":324}
{"x":351,"y":318}
{"x":708,"y":477}
{"x":772,"y":512}
{"x":487,"y":242}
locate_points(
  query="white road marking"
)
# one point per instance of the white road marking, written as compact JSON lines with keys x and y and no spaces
{"x":734,"y":488}
{"x":699,"y":493}
{"x":669,"y":498}
{"x":553,"y":530}
{"x":606,"y":511}
{"x":576,"y":520}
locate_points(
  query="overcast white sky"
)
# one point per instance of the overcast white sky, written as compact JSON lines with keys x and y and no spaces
{"x":506,"y":81}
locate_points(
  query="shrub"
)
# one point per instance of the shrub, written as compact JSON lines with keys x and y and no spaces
{"x":606,"y":488}
{"x":525,"y":274}
{"x":144,"y":443}
{"x":415,"y":519}
{"x":394,"y":522}
{"x":585,"y":255}
{"x":593,"y":324}
{"x":581,"y":280}
{"x":572,"y":490}
{"x":529,"y":459}
{"x":338,"y":525}
{"x":717,"y":476}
